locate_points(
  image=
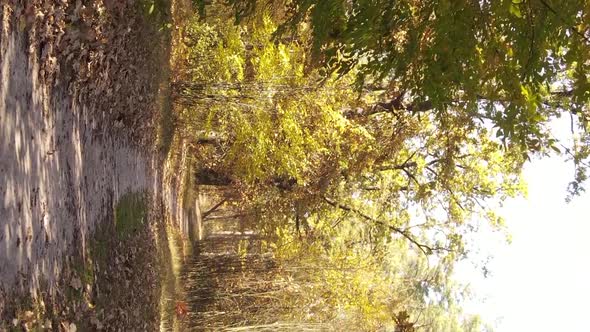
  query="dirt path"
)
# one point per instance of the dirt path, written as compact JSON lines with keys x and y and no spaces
{"x":61,"y":169}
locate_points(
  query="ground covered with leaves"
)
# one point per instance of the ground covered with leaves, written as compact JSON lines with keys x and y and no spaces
{"x":115,"y":287}
{"x":103,"y":52}
{"x":112,"y":57}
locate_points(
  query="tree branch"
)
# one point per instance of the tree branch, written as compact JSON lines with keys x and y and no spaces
{"x":396,"y":167}
{"x":426,"y":249}
{"x":576,"y":31}
{"x":393,"y":105}
{"x":211,"y":210}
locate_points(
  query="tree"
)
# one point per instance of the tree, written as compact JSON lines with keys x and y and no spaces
{"x":369,"y":125}
{"x":514,"y":64}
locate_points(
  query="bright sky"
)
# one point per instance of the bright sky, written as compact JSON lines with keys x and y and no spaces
{"x":541,"y":281}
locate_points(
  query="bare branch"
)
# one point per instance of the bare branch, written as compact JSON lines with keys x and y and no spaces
{"x":211,"y":210}
{"x":396,"y":167}
{"x":426,"y":249}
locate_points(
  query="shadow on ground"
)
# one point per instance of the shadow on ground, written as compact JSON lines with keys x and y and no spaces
{"x":78,"y":91}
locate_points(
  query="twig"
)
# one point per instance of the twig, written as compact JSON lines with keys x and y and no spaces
{"x":426,"y":249}
{"x":211,"y":210}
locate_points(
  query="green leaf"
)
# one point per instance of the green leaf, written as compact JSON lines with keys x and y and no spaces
{"x":556,"y":149}
{"x":515,"y":10}
{"x":151,"y":9}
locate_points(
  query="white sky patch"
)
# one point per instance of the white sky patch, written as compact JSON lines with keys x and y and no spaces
{"x":541,"y":281}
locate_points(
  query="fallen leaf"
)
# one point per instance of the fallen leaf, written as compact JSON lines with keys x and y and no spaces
{"x":181,"y":309}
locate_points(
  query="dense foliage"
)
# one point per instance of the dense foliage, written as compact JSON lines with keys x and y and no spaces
{"x":373,"y":136}
{"x":515,"y":63}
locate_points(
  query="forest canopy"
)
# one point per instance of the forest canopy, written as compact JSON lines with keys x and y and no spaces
{"x":381,"y":134}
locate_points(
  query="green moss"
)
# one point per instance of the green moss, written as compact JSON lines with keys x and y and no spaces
{"x":85,"y":270}
{"x":130,"y":213}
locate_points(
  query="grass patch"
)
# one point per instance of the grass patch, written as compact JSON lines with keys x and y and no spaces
{"x":84,"y":270}
{"x":157,"y":13}
{"x":130,"y":213}
{"x":173,"y":251}
{"x":188,"y":183}
{"x":158,"y":23}
{"x":166,"y":122}
{"x":99,"y":249}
